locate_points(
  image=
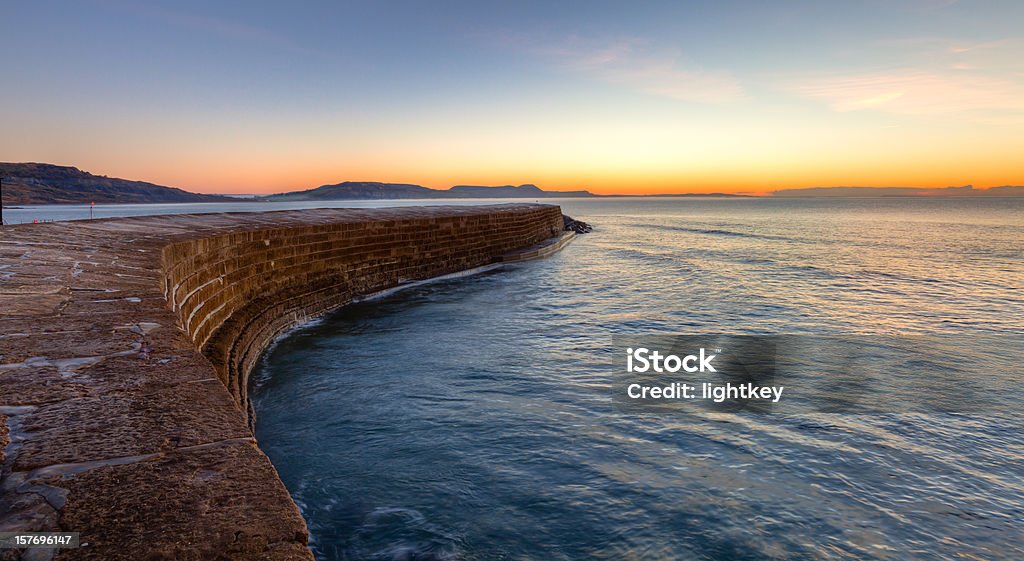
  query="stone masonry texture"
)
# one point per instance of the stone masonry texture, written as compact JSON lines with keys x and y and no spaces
{"x":125,"y":351}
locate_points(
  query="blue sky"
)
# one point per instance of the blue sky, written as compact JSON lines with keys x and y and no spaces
{"x":660,"y":96}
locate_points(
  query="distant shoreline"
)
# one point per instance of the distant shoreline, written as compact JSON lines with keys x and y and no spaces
{"x":440,"y":201}
{"x":49,"y":184}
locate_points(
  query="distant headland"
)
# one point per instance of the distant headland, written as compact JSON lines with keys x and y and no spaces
{"x":349,"y":190}
{"x":40,"y":183}
{"x":37,"y":183}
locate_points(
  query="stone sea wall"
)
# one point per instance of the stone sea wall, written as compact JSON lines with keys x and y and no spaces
{"x":125,"y":350}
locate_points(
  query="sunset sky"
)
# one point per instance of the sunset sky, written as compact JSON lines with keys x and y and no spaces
{"x":615,"y":97}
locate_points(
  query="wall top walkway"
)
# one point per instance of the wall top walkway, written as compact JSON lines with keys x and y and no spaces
{"x":112,"y":423}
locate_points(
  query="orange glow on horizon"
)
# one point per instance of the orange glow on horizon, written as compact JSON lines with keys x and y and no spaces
{"x":622,"y":160}
{"x":271,"y":181}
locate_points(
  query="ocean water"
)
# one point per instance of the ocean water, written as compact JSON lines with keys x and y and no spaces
{"x":472,"y":419}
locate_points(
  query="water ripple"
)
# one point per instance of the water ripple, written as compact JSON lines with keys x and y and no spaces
{"x":470,"y":419}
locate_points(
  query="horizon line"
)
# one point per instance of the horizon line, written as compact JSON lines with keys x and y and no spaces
{"x":937,"y":191}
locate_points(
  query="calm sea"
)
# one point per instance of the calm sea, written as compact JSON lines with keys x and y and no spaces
{"x":472,"y":419}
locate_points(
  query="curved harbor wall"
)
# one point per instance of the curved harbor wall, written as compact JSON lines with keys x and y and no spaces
{"x":234,"y":293}
{"x":125,"y":350}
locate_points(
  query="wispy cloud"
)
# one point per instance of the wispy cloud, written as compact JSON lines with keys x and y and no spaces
{"x":632,"y":63}
{"x":915,"y":92}
{"x":981,"y":80}
{"x":994,"y":54}
{"x":962,"y":47}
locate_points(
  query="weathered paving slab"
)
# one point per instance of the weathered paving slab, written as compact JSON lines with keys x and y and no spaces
{"x":126,"y":346}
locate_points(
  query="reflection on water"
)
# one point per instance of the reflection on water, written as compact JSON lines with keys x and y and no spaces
{"x":471,"y":419}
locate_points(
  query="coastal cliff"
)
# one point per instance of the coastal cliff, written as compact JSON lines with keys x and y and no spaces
{"x":125,"y":350}
{"x":31,"y":183}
